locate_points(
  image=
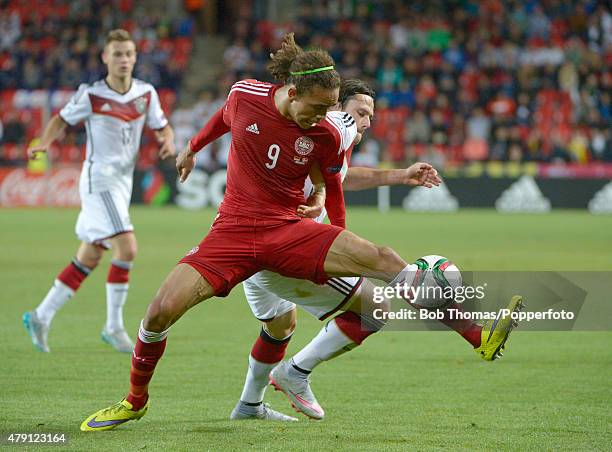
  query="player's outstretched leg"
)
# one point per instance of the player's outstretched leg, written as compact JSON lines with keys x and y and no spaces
{"x":340,"y":335}
{"x":266,"y":353}
{"x":182,"y":289}
{"x":351,"y":254}
{"x":495,"y":332}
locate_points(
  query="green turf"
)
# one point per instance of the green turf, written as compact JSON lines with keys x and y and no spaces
{"x":400,"y":391}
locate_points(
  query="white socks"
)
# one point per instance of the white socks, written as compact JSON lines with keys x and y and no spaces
{"x":256,"y":381}
{"x":57,"y":296}
{"x":329,"y":343}
{"x":116,"y":294}
{"x":150,"y":337}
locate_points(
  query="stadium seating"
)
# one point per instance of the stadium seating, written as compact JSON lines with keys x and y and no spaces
{"x":537,"y":70}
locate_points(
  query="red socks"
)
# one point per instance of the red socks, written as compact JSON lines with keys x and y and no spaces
{"x":268,"y":349}
{"x":74,"y":274}
{"x":468,"y":329}
{"x":350,"y":324}
{"x":117,"y":275}
{"x":145,"y":358}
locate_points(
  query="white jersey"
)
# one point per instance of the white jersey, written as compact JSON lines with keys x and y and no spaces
{"x":346,"y":127}
{"x":114,"y":124}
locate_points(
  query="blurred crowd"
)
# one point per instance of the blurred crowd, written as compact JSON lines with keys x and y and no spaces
{"x":50,"y":44}
{"x":456,"y":80}
{"x":461,"y":80}
{"x":56,"y":45}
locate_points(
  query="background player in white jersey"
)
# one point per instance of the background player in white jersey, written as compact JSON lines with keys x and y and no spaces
{"x":115,"y":111}
{"x":273,"y":298}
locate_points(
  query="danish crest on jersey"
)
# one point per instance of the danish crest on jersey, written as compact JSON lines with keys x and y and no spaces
{"x":140,"y":104}
{"x":304,"y":145}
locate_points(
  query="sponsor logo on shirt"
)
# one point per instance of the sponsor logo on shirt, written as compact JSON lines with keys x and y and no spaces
{"x":300,"y":160}
{"x":304,"y":145}
{"x":253,"y":128}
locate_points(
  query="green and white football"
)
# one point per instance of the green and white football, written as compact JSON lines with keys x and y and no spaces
{"x":435,"y":282}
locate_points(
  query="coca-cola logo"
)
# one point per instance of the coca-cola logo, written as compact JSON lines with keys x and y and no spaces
{"x":60,"y":188}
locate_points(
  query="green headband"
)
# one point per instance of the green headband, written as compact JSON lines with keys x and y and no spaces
{"x":313,"y":71}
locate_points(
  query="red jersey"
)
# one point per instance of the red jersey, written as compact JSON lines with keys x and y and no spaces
{"x":271,"y":156}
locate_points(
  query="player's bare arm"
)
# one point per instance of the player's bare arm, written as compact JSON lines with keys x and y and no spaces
{"x":316,"y":201}
{"x":165,"y":139}
{"x":55,"y":128}
{"x":359,"y":178}
{"x":185,"y":162}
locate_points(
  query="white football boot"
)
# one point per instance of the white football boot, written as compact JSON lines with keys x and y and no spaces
{"x":243,"y":411}
{"x":296,"y":386}
{"x":119,"y":340}
{"x":38,"y":331}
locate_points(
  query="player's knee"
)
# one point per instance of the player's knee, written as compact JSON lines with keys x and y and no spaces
{"x":282,"y":326}
{"x":385,"y":253}
{"x":386,"y":257}
{"x":90,"y":262}
{"x":127,"y":253}
{"x":89,"y":255}
{"x":124,"y":247}
{"x":278,"y":331}
{"x":162,"y":312}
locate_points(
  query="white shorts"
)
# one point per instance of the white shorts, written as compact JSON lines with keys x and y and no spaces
{"x":103,"y":215}
{"x":270,"y":295}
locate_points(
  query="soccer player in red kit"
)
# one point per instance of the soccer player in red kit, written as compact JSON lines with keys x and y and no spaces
{"x":273,"y":298}
{"x":279,"y":133}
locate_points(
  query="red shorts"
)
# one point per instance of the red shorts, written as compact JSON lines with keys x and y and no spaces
{"x":238,"y":247}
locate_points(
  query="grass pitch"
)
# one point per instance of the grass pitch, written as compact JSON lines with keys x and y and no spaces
{"x":400,"y":391}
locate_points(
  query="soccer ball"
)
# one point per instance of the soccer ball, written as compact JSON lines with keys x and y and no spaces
{"x":435,"y":282}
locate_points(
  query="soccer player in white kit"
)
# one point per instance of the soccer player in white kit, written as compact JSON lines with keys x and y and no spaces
{"x":115,"y":111}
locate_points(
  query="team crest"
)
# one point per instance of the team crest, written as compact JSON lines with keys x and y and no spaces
{"x":140,"y":104}
{"x":304,"y":145}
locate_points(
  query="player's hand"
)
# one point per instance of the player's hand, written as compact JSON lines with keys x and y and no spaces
{"x":166,"y":149}
{"x":185,"y":163}
{"x":422,"y":174}
{"x":309,"y":211}
{"x":314,"y":204}
{"x":33,"y":151}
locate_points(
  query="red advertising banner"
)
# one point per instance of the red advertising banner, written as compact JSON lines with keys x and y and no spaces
{"x":58,"y":187}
